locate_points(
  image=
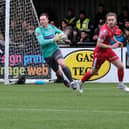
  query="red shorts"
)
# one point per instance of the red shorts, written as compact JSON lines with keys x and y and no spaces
{"x":100,"y":56}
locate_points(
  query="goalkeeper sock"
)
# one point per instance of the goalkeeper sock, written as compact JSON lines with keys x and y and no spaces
{"x":120,"y":74}
{"x":67,"y":72}
{"x":86,"y":76}
{"x":60,"y":78}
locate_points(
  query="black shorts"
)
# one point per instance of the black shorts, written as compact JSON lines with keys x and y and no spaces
{"x":52,"y":61}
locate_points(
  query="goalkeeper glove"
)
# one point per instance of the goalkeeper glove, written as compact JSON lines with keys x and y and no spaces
{"x":57,"y":38}
{"x":63,"y":36}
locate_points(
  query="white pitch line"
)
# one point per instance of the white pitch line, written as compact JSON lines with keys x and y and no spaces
{"x":63,"y":110}
{"x":60,"y":89}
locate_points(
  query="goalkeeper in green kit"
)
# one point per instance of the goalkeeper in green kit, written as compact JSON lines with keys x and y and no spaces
{"x":47,"y":36}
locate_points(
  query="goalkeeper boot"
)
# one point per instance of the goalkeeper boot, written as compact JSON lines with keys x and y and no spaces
{"x":79,"y":86}
{"x":66,"y":83}
{"x":73,"y":85}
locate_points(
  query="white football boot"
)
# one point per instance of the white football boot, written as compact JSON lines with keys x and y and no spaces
{"x":123,"y":86}
{"x":79,"y":86}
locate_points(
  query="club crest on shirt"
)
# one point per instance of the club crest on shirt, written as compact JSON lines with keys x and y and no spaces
{"x":38,"y":34}
{"x":51,"y":30}
{"x":110,"y":34}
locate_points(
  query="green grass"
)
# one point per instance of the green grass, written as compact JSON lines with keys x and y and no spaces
{"x":53,"y":106}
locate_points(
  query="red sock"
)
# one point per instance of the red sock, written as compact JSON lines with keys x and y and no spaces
{"x":86,"y":76}
{"x":120,"y":75}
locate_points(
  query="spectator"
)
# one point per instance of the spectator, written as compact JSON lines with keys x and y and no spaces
{"x":2,"y":44}
{"x":126,"y":29}
{"x":127,"y":48}
{"x":2,"y":22}
{"x":52,"y":22}
{"x":67,"y":30}
{"x":101,"y":13}
{"x":123,"y":17}
{"x":70,"y":18}
{"x":16,"y":29}
{"x":2,"y":30}
{"x":126,"y":32}
{"x":118,"y":36}
{"x":83,"y":22}
{"x":75,"y":37}
{"x":84,"y":37}
{"x":96,"y":31}
{"x":1,"y":36}
{"x":28,"y":28}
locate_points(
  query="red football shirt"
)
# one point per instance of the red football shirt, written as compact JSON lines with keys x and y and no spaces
{"x":105,"y":35}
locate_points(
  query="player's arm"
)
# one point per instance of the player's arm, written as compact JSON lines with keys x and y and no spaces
{"x":100,"y":42}
{"x":117,"y":42}
{"x":41,"y":39}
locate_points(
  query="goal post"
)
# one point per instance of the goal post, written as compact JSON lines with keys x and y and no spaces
{"x":7,"y":17}
{"x":22,"y":52}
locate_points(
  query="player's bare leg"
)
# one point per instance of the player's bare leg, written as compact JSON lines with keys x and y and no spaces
{"x":120,"y":71}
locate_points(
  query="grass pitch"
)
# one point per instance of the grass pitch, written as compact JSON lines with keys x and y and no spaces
{"x":53,"y":106}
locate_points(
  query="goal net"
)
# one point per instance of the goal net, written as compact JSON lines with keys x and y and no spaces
{"x":23,"y":52}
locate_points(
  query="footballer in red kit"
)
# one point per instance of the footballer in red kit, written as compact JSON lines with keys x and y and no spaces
{"x":103,"y":52}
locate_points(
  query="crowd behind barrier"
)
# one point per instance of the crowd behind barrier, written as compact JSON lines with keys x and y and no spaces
{"x":79,"y":29}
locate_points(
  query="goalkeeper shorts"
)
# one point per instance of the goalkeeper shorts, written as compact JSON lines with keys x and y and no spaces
{"x":52,"y":61}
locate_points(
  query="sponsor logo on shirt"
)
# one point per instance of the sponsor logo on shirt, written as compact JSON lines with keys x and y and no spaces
{"x":49,"y":37}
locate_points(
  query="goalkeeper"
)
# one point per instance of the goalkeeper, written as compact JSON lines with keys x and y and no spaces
{"x":48,"y":36}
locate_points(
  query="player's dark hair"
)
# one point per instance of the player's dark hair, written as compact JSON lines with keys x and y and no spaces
{"x":111,"y":14}
{"x":44,"y":14}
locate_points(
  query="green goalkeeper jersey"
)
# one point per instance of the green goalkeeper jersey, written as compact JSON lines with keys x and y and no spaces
{"x":44,"y":37}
